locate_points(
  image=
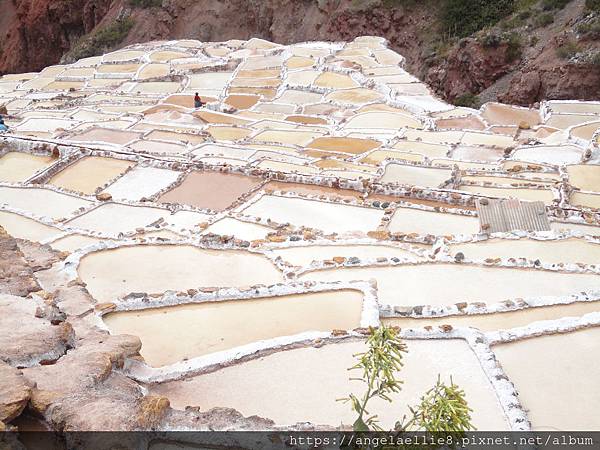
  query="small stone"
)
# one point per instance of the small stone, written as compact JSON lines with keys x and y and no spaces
{"x":104,"y":196}
{"x":339,"y":259}
{"x":380,"y":235}
{"x":459,"y":257}
{"x":446,"y":328}
{"x":484,"y":201}
{"x":339,"y":333}
{"x":524,"y":125}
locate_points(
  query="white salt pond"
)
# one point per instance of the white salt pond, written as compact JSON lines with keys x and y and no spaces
{"x":177,"y":333}
{"x":43,"y":202}
{"x":542,"y":195}
{"x":410,"y":220}
{"x":549,"y":252}
{"x":241,"y":230}
{"x":559,"y":383}
{"x":113,"y":218}
{"x":142,"y":182}
{"x":329,"y":217}
{"x":319,"y":376}
{"x":73,"y":242}
{"x":114,"y":273}
{"x":447,"y":284}
{"x":303,"y":256}
{"x":418,"y":176}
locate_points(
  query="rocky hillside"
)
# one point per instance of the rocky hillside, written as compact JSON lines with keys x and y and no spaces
{"x":469,"y":51}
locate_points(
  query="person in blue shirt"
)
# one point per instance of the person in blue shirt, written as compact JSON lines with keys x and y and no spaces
{"x":3,"y":127}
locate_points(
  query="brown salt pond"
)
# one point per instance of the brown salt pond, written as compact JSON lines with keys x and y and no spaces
{"x":177,"y":333}
{"x":311,"y":189}
{"x":212,"y":190}
{"x":119,"y":137}
{"x":499,"y":321}
{"x":344,"y":145}
{"x":559,"y":383}
{"x":411,"y":220}
{"x":550,"y":252}
{"x":320,"y":376}
{"x":111,"y":274}
{"x":16,"y":166}
{"x":498,"y":114}
{"x":447,"y":284}
{"x":89,"y":173}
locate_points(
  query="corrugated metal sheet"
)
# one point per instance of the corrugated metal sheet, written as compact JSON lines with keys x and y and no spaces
{"x":502,"y":215}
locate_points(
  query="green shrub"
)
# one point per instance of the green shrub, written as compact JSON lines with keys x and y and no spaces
{"x":514,"y":47}
{"x":102,"y":40}
{"x":464,"y":17}
{"x":567,"y":50}
{"x":543,"y":20}
{"x":533,"y":41}
{"x":468,"y":100}
{"x":548,"y":5}
{"x":593,"y":5}
{"x":590,"y":29}
{"x":145,"y":3}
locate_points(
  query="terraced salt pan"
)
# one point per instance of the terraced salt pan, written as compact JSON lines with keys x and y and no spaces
{"x":382,"y":119}
{"x":550,"y":252}
{"x":142,"y":182}
{"x":113,"y":218}
{"x":344,"y":145}
{"x":585,"y":200}
{"x":575,"y":107}
{"x":562,"y":154}
{"x":409,"y":220}
{"x":564,"y":121}
{"x":241,"y":230}
{"x":543,"y":195}
{"x":15,"y":166}
{"x":321,"y":378}
{"x":24,"y":228}
{"x":159,"y":147}
{"x":328,"y":217}
{"x":303,"y":256}
{"x":430,"y":150}
{"x":186,"y":220}
{"x":110,"y":136}
{"x":488,"y":154}
{"x":176,"y":333}
{"x":355,"y":96}
{"x":213,"y":190}
{"x":287,"y":137}
{"x":498,"y":114}
{"x":378,"y":156}
{"x":86,"y":175}
{"x":447,"y":284}
{"x":110,"y":274}
{"x":558,"y":387}
{"x":586,"y":177}
{"x":311,"y":189}
{"x":42,"y":202}
{"x":585,"y":229}
{"x":419,"y":176}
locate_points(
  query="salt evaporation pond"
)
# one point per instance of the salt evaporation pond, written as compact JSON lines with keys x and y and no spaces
{"x":111,"y":274}
{"x":559,"y":383}
{"x":447,"y":284}
{"x":176,"y":333}
{"x":15,"y":166}
{"x":89,"y":173}
{"x":411,"y":220}
{"x":43,"y":202}
{"x":322,"y":377}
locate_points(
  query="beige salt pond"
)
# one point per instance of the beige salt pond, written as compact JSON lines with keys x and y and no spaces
{"x":319,"y":376}
{"x":24,"y":228}
{"x":411,"y":220}
{"x":549,"y":252}
{"x":105,"y":135}
{"x":213,"y":190}
{"x":329,"y":217}
{"x":446,"y":284}
{"x":542,"y":195}
{"x":419,"y":176}
{"x":559,"y":383}
{"x":303,"y":256}
{"x":89,"y":173}
{"x":73,"y":242}
{"x":43,"y":202}
{"x":585,"y":200}
{"x":177,"y":333}
{"x":16,"y":166}
{"x":241,"y":230}
{"x":344,"y":145}
{"x":586,"y":177}
{"x":499,"y":321}
{"x":157,"y":268}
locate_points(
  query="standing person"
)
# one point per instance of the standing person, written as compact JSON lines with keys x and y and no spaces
{"x":3,"y":127}
{"x":197,"y":101}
